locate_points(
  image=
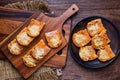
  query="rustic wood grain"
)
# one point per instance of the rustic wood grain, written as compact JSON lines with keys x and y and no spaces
{"x":109,"y":9}
{"x":51,"y":24}
{"x":11,"y":14}
{"x":17,"y":60}
{"x":58,"y":60}
{"x":8,"y":26}
{"x":9,"y":21}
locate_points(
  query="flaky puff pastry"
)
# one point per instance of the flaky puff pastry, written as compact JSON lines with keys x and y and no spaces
{"x":29,"y":61}
{"x":14,"y":47}
{"x":105,"y":54}
{"x":100,"y":40}
{"x":54,"y":38}
{"x":95,"y":27}
{"x":81,"y":38}
{"x":35,"y":27}
{"x":87,"y":53}
{"x":40,"y":50}
{"x":23,"y":38}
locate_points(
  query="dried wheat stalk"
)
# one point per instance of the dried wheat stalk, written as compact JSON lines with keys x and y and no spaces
{"x":32,"y":5}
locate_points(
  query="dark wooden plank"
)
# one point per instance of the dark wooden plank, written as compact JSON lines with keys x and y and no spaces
{"x":11,"y":14}
{"x":109,"y":9}
{"x":2,"y":2}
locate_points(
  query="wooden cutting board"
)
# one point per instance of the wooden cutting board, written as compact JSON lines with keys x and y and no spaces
{"x":59,"y":60}
{"x":8,"y":25}
{"x":51,"y":24}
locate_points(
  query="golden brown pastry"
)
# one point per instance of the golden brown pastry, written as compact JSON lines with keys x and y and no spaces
{"x":95,"y":27}
{"x":87,"y":53}
{"x":105,"y":54}
{"x":14,"y":47}
{"x":100,"y":40}
{"x":29,"y":61}
{"x":105,"y":36}
{"x":54,"y":38}
{"x":23,"y":38}
{"x":35,"y":54}
{"x":39,"y":50}
{"x":35,"y":27}
{"x":81,"y":38}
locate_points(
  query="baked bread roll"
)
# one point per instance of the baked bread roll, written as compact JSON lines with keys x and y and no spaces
{"x":81,"y":38}
{"x":87,"y":53}
{"x":54,"y":38}
{"x":100,"y":40}
{"x":105,"y":54}
{"x":95,"y":27}
{"x":23,"y":38}
{"x":14,"y":47}
{"x":39,"y":50}
{"x":29,"y":61}
{"x":35,"y":27}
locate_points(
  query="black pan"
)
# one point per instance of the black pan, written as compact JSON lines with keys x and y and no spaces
{"x":112,"y":33}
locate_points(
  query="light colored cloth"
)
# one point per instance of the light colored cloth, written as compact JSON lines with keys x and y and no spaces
{"x":8,"y":72}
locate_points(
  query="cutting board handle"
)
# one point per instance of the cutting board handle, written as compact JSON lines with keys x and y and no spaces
{"x":69,"y":12}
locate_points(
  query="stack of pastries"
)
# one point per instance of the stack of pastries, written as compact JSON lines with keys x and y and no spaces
{"x":40,"y":49}
{"x":93,"y":42}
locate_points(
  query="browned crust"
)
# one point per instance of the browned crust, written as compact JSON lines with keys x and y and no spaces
{"x":31,"y":62}
{"x":102,"y":37}
{"x":14,"y":52}
{"x":22,"y":42}
{"x":40,"y":44}
{"x":110,"y":54}
{"x":83,"y":43}
{"x":100,"y":26}
{"x":84,"y":56}
{"x":52,"y":35}
{"x":37,"y":23}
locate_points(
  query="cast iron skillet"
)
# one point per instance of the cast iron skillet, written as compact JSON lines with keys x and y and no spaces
{"x":112,"y":33}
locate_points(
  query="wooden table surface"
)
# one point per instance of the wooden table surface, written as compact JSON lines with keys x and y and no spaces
{"x":109,"y":9}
